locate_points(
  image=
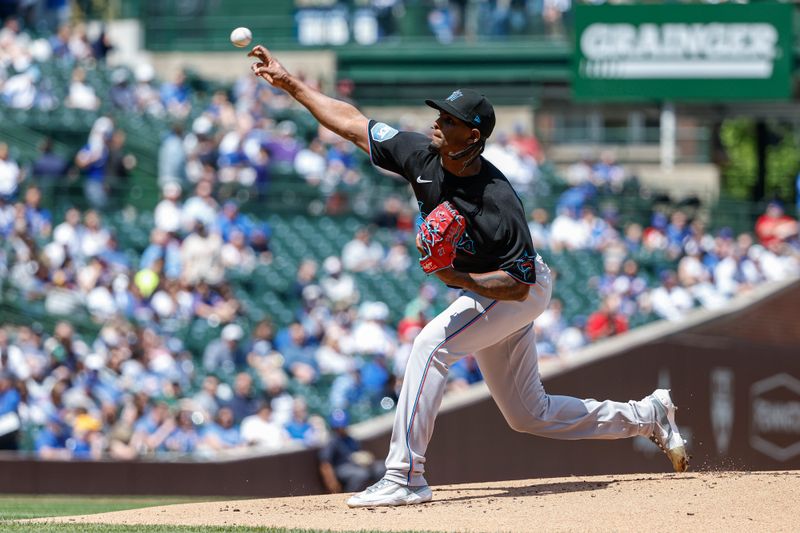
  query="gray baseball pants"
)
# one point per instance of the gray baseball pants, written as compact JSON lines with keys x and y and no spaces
{"x":500,"y":334}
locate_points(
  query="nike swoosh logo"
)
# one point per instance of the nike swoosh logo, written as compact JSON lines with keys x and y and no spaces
{"x":420,"y":180}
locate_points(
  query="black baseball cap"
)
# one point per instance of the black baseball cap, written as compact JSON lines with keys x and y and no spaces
{"x":470,"y":107}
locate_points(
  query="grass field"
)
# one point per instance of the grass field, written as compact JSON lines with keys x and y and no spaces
{"x":21,"y":507}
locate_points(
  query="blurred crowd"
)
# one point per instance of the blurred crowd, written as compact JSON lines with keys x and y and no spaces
{"x":659,"y":270}
{"x":177,"y":361}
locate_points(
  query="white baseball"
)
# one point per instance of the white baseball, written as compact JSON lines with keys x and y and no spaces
{"x":241,"y":37}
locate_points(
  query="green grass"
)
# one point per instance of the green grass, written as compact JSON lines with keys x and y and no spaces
{"x":19,"y":507}
{"x":22,"y":507}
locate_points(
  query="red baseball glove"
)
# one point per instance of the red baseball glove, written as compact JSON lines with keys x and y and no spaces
{"x":438,"y":236}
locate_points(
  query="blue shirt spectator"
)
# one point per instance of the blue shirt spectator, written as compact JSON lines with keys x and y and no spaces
{"x":230,"y":220}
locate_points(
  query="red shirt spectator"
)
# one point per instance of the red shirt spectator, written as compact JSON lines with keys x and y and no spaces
{"x":774,"y":226}
{"x":606,"y":321}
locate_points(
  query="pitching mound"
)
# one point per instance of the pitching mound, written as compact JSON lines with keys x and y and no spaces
{"x":695,"y":501}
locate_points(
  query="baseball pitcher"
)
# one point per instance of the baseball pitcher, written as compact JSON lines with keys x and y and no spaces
{"x":475,"y":238}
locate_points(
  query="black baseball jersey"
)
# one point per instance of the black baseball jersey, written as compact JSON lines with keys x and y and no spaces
{"x":496,"y":236}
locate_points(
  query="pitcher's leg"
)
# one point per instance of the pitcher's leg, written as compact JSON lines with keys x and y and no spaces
{"x":424,"y":383}
{"x":511,"y":371}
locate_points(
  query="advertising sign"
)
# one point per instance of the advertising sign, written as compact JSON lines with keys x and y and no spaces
{"x":683,"y":52}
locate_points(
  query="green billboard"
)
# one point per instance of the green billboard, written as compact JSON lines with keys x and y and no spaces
{"x":683,"y":52}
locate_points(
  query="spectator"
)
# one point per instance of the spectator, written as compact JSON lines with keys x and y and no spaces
{"x":283,"y":147}
{"x":773,"y":226}
{"x":20,"y":90}
{"x":397,"y":259}
{"x":567,"y":232}
{"x":152,"y":429}
{"x":121,"y":93}
{"x":119,"y":164}
{"x":10,"y":174}
{"x":184,"y":439}
{"x":172,"y":157}
{"x":81,"y":95}
{"x":607,"y":173}
{"x":362,"y":254}
{"x":236,"y":255}
{"x":670,"y":300}
{"x":165,"y":248}
{"x":167,"y":215}
{"x":92,"y":160}
{"x":9,"y":407}
{"x":223,"y":434}
{"x":67,"y":234}
{"x":298,"y":353}
{"x":39,"y":220}
{"x":311,"y":162}
{"x":201,"y":207}
{"x":148,"y":101}
{"x":306,"y":275}
{"x":299,"y":427}
{"x":231,"y":220}
{"x":338,"y":287}
{"x":93,"y":236}
{"x":606,"y":321}
{"x":343,"y":465}
{"x":175,"y":96}
{"x":540,"y":232}
{"x":520,"y":169}
{"x":463,"y":373}
{"x":225,"y":353}
{"x":243,"y":403}
{"x":49,"y":166}
{"x":261,"y":431}
{"x":51,"y":441}
{"x":201,"y":256}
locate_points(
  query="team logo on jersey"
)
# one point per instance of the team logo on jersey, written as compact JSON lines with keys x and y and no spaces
{"x":524,"y":268}
{"x":455,"y":96}
{"x":382,"y":132}
{"x":466,"y":244}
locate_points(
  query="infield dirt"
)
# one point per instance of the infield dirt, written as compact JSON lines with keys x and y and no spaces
{"x":694,"y":501}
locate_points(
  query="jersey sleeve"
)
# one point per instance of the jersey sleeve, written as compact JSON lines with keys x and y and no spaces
{"x":392,"y":150}
{"x":517,"y":257}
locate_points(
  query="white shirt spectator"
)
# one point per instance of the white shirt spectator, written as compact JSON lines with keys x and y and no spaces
{"x":725,"y":276}
{"x":67,"y":235}
{"x":16,"y":363}
{"x":519,"y":170}
{"x":774,"y":267}
{"x":263,"y":432}
{"x":167,"y":215}
{"x":370,"y":334}
{"x":93,"y":242}
{"x":81,"y":95}
{"x":568,"y":232}
{"x":671,"y":303}
{"x":338,"y":287}
{"x":199,"y":209}
{"x":362,"y":253}
{"x":578,"y":173}
{"x":201,"y":257}
{"x":9,"y":176}
{"x":310,"y":162}
{"x":20,"y":91}
{"x":100,"y":303}
{"x":397,"y":259}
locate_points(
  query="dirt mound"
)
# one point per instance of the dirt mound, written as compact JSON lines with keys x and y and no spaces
{"x":695,"y":501}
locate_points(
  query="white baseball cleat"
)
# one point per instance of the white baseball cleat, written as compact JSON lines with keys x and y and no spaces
{"x":387,"y":493}
{"x":665,"y":433}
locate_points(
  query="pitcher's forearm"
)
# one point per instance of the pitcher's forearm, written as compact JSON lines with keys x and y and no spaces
{"x":340,"y":117}
{"x":496,"y":285}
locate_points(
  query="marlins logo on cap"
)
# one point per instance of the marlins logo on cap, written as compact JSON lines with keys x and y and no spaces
{"x":469,"y":106}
